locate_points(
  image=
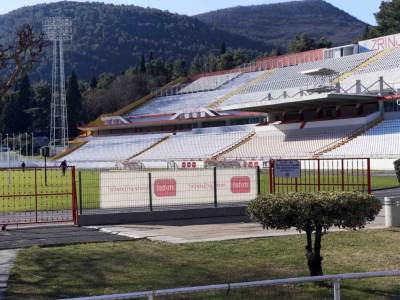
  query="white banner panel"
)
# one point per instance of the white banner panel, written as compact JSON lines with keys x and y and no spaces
{"x":380,"y":43}
{"x":124,"y":189}
{"x":186,"y":187}
{"x":179,"y":187}
{"x":236,"y":185}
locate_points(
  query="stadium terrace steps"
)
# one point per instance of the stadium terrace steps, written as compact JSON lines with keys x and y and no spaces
{"x":378,"y":55}
{"x":209,"y":83}
{"x":241,"y":88}
{"x":349,"y":138}
{"x":150,"y":147}
{"x":75,"y":146}
{"x":234,"y":146}
{"x":148,"y":97}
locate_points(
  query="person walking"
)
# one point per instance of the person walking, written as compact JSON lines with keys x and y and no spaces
{"x":64,"y":166}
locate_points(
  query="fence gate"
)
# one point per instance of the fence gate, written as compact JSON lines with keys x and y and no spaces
{"x":350,"y":174}
{"x":37,"y":195}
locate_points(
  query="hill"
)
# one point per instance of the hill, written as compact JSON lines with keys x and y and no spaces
{"x":111,"y":38}
{"x":277,"y":23}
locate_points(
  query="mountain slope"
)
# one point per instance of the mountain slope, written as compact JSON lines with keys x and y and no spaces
{"x":111,"y":38}
{"x":277,"y":23}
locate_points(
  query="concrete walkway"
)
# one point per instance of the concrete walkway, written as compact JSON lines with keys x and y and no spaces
{"x":7,"y":259}
{"x":190,"y":231}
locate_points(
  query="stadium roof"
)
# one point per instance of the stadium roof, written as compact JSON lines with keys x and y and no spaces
{"x":308,"y":101}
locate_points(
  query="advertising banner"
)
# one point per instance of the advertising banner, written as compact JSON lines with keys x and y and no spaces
{"x":130,"y":189}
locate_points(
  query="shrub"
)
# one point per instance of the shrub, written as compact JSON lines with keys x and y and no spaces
{"x":397,"y":168}
{"x":314,"y":212}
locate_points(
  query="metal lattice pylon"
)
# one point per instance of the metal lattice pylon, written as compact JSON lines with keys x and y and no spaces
{"x":58,"y":30}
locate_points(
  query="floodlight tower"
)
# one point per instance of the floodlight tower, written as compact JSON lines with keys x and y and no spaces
{"x":58,"y":30}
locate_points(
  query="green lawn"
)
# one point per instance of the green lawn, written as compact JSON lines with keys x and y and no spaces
{"x":94,"y":269}
{"x":23,"y":184}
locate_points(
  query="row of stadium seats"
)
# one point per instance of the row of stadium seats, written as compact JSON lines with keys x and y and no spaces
{"x":193,"y":146}
{"x":291,"y":143}
{"x":386,"y":62}
{"x":177,"y":103}
{"x":208,"y":83}
{"x":382,"y":141}
{"x":290,"y":77}
{"x":113,"y":148}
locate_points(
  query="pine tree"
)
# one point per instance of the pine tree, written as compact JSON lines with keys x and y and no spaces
{"x":74,"y":104}
{"x":142,"y":65}
{"x":93,"y":82}
{"x":223,"y":47}
{"x":10,"y":119}
{"x":24,"y":101}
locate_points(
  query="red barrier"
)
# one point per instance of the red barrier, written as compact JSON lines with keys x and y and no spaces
{"x":37,"y":195}
{"x":353,"y":174}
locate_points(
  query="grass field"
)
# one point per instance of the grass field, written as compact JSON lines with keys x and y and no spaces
{"x":22,"y":184}
{"x":93,"y":269}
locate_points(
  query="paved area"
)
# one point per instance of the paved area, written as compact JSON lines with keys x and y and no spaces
{"x":191,"y":231}
{"x":395,"y":192}
{"x":52,"y":236}
{"x":7,"y":259}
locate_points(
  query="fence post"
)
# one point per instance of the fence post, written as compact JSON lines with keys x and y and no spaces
{"x":36,"y":197}
{"x":258,"y":181}
{"x":150,"y":194}
{"x":369,"y":175}
{"x":343,"y":175}
{"x":80,"y":193}
{"x":215,"y":188}
{"x":319,"y":174}
{"x":271,"y":176}
{"x":74,"y":200}
{"x":336,"y":289}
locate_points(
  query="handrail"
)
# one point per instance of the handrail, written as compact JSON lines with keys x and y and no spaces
{"x":226,"y":286}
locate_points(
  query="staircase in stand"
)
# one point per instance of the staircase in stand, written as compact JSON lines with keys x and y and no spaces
{"x":347,"y":139}
{"x":259,"y":79}
{"x":234,"y":146}
{"x":150,"y":147}
{"x":363,"y":65}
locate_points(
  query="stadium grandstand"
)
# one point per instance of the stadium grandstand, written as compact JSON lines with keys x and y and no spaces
{"x":337,"y":102}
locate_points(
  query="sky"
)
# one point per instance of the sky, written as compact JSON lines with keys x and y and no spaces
{"x":362,"y":9}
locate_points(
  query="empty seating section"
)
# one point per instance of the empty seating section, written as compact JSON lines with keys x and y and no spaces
{"x":386,"y":62}
{"x":193,"y":146}
{"x":208,"y":83}
{"x":177,"y":103}
{"x":290,"y":77}
{"x":289,"y":144}
{"x":291,"y":80}
{"x":112,"y":148}
{"x":381,"y":141}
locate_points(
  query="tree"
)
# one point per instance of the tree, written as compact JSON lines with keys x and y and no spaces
{"x":314,"y":213}
{"x":178,"y":68}
{"x":93,"y":82}
{"x":24,"y":100}
{"x":142,"y":65}
{"x":18,"y":58}
{"x":323,"y":43}
{"x":74,"y":104}
{"x":301,"y":42}
{"x":388,"y":18}
{"x":40,"y":110}
{"x":223,"y":48}
{"x":197,"y":65}
{"x":10,"y":119}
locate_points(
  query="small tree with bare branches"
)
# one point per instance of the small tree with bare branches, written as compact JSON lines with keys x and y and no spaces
{"x":16,"y":59}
